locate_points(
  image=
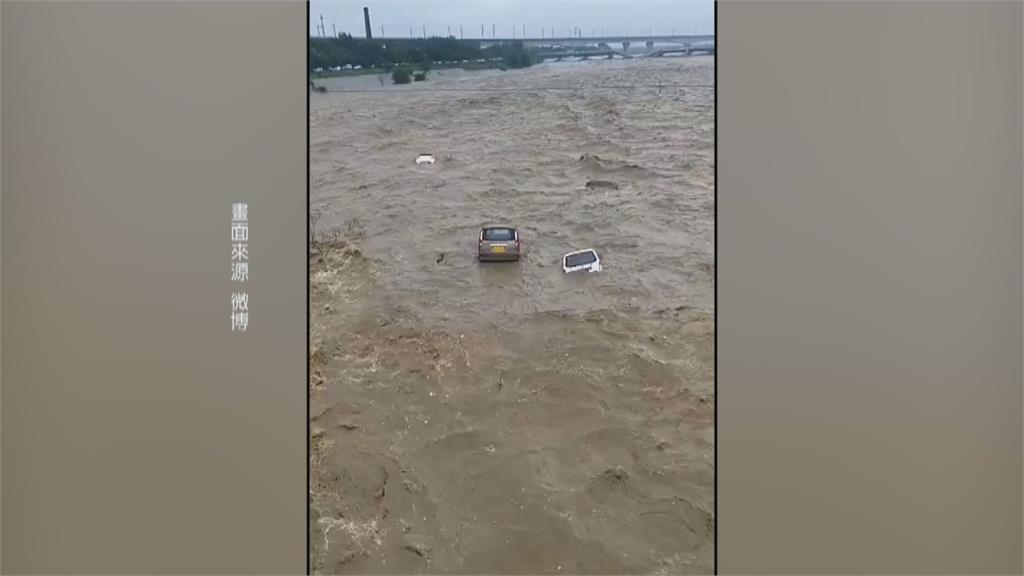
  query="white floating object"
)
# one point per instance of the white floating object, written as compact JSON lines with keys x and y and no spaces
{"x":581,"y":260}
{"x":425,"y":159}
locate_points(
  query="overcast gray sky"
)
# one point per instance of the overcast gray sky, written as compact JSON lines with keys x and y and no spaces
{"x":614,"y":16}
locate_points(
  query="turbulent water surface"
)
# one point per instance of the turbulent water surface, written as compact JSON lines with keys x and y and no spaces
{"x":509,"y":418}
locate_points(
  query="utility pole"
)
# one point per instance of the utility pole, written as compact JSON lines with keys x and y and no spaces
{"x":424,"y":31}
{"x":461,"y":35}
{"x":481,"y":31}
{"x":410,"y":32}
{"x":449,"y":30}
{"x":335,"y":29}
{"x":492,"y":32}
{"x":381,"y":30}
{"x":322,"y":33}
{"x":524,"y":31}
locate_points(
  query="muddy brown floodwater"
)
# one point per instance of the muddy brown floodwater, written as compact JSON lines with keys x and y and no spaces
{"x":508,"y":418}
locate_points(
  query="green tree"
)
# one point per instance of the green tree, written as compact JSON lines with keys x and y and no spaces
{"x":401,"y":75}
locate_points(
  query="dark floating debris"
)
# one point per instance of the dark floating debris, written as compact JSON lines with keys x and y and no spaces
{"x":615,"y":476}
{"x":418,"y":548}
{"x":602,"y":184}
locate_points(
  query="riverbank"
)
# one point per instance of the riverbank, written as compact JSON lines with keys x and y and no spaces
{"x":468,"y":66}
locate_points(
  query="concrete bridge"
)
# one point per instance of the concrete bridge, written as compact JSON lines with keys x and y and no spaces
{"x":607,"y":51}
{"x":612,"y":46}
{"x":637,"y":40}
{"x":688,"y":50}
{"x":581,"y":54}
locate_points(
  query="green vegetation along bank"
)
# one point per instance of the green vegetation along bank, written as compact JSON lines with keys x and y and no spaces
{"x":346,"y":53}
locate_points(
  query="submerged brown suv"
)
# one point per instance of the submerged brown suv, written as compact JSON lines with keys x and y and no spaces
{"x":498,"y":243}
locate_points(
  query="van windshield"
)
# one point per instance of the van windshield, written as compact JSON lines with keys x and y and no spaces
{"x":581,"y":259}
{"x":498,"y":234}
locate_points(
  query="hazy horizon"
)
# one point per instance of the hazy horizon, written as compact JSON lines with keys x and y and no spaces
{"x":593,"y":17}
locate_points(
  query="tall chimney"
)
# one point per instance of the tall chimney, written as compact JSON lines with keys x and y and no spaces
{"x":366,"y":20}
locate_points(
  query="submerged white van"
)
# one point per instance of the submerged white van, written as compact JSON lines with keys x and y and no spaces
{"x":581,"y":260}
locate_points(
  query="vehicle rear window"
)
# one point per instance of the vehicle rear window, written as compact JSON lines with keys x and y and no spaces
{"x":580,"y":259}
{"x":498,"y":234}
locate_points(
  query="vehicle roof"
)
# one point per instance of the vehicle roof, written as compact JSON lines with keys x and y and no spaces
{"x":580,"y":252}
{"x":498,"y":227}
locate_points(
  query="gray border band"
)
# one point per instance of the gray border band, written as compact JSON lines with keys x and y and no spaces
{"x":869,"y":287}
{"x":139,"y":434}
